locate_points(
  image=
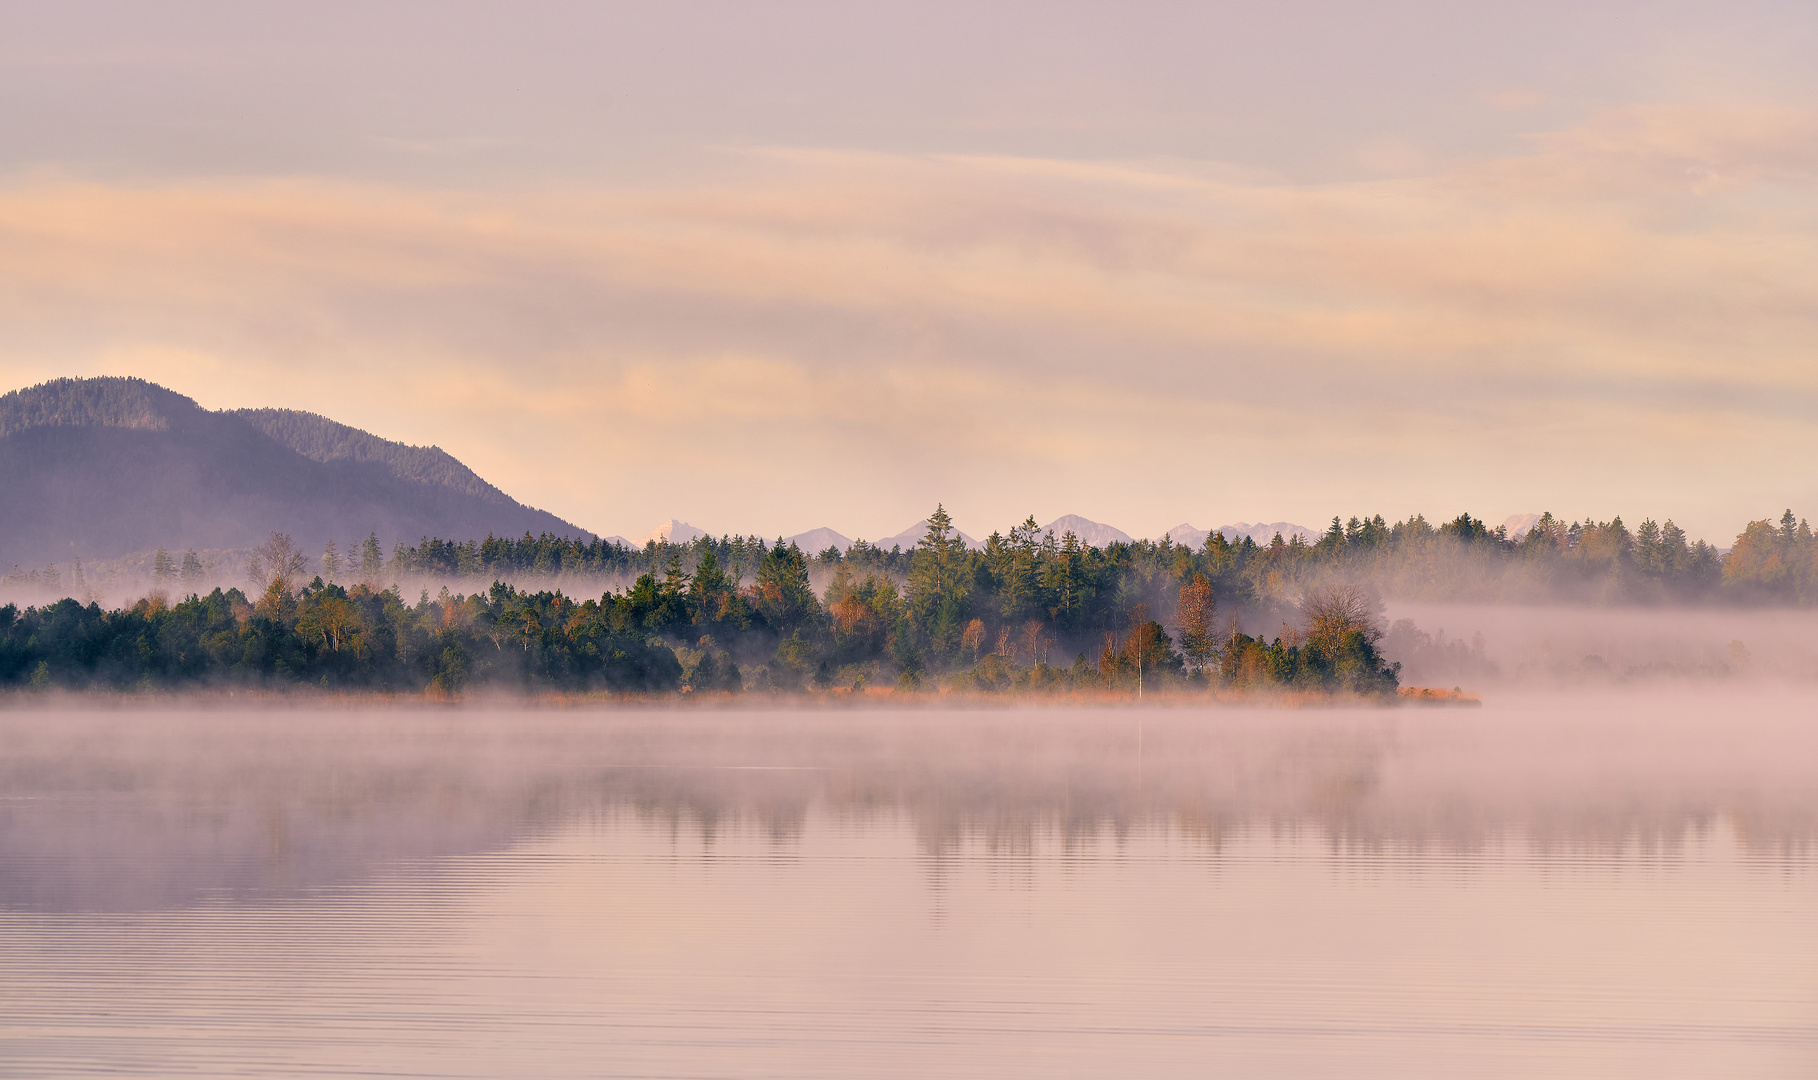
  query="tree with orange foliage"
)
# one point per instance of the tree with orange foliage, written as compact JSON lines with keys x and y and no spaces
{"x":973,"y":640}
{"x":1193,"y":618}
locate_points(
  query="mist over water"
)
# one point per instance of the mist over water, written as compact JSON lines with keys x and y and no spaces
{"x":1506,"y":646}
{"x":1560,"y":883}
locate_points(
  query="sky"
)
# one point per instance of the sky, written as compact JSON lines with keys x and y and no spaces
{"x":771,"y":267}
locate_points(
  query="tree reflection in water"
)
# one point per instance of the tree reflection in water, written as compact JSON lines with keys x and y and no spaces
{"x":133,"y":810}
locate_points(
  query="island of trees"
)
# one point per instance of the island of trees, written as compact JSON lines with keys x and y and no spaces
{"x":1028,"y":612}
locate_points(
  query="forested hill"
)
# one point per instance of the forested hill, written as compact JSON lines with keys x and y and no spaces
{"x":321,"y":439}
{"x":97,"y":468}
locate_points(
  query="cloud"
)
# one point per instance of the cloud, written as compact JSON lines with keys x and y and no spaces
{"x":802,"y":335}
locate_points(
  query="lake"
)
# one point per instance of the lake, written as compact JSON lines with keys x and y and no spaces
{"x":1604,"y":886}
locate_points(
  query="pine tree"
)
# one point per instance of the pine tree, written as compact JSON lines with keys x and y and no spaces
{"x":1647,"y":548}
{"x":1674,"y":556}
{"x":708,"y":585}
{"x":1061,"y":580}
{"x":192,"y":570}
{"x":1332,"y":544}
{"x":372,"y":561}
{"x":934,"y":574}
{"x":784,"y":595}
{"x":1018,"y":590}
{"x":673,"y":578}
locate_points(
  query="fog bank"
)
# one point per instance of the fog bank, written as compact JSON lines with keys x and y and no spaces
{"x":98,"y":807}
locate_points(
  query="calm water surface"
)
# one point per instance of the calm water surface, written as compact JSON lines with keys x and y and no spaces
{"x":1545,"y":887}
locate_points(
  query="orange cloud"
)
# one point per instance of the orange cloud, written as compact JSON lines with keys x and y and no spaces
{"x":1633,"y":285}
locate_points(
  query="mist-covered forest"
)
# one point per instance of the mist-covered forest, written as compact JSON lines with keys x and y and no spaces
{"x":1028,"y":612}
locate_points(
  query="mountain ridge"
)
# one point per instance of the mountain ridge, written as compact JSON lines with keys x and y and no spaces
{"x":108,"y":466}
{"x":1089,"y":532}
{"x":320,"y":439}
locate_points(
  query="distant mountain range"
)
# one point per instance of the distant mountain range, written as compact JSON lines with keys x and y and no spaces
{"x":1261,"y":532}
{"x":110,"y":467}
{"x":814,"y":541}
{"x":1519,"y":525}
{"x":818,"y":540}
{"x":908,"y":537}
{"x":672,"y":531}
{"x":1089,"y":532}
{"x":99,"y":468}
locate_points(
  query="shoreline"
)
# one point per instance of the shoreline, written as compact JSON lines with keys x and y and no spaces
{"x":837,"y":698}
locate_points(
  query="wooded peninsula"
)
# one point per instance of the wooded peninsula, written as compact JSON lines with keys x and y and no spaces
{"x":1027,"y":612}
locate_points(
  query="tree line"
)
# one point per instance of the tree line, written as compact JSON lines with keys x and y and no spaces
{"x":1027,"y":611}
{"x":1461,"y":560}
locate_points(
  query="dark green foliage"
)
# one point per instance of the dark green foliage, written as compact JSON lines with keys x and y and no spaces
{"x":1354,"y":665}
{"x":717,"y":615}
{"x":333,"y":637}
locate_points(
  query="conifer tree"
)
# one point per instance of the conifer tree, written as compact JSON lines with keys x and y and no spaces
{"x":934,"y":575}
{"x":673,"y":578}
{"x":372,"y":561}
{"x":192,"y":570}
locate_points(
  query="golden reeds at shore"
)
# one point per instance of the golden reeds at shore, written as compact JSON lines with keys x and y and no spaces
{"x":1427,"y":695}
{"x":833,"y":697}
